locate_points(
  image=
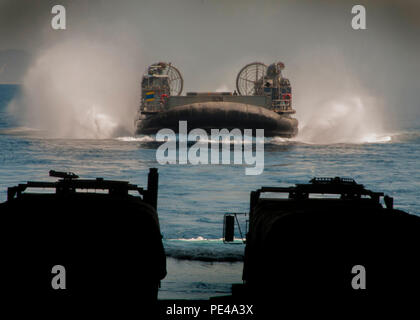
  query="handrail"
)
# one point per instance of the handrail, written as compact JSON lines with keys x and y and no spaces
{"x":343,"y":186}
{"x":68,"y":185}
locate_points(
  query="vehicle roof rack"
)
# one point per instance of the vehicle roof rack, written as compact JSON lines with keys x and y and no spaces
{"x":346,"y":187}
{"x":70,"y":182}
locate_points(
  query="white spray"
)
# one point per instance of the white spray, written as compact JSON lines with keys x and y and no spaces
{"x":81,"y":89}
{"x":332,"y":105}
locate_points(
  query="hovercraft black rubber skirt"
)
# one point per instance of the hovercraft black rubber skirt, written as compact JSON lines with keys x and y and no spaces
{"x":219,"y":115}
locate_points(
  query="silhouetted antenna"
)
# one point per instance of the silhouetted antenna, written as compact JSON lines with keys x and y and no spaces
{"x":64,"y":175}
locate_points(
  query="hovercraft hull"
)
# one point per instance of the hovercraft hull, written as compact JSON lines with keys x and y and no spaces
{"x":219,"y":115}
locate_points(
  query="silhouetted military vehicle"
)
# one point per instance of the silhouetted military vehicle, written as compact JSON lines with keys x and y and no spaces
{"x":331,"y":237}
{"x":105,"y":236}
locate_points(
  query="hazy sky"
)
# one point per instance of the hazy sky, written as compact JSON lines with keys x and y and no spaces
{"x":210,"y":40}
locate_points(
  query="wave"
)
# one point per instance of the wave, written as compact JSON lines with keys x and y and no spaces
{"x":190,"y":140}
{"x":136,"y":139}
{"x":205,"y":256}
{"x":375,"y":138}
{"x":202,"y":249}
{"x":372,"y":138}
{"x":406,"y":136}
{"x":367,"y":139}
{"x":198,"y":239}
{"x":20,"y":131}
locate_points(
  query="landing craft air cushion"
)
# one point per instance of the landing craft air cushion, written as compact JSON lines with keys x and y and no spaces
{"x":263,"y":100}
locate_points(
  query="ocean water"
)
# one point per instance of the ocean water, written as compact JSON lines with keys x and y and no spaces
{"x":193,"y":198}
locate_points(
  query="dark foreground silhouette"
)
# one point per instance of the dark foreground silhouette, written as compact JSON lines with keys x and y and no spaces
{"x":109,"y":244}
{"x":312,"y":245}
{"x":326,"y":246}
{"x":327,"y":243}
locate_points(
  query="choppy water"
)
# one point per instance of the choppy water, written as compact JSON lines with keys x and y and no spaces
{"x":193,"y":199}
